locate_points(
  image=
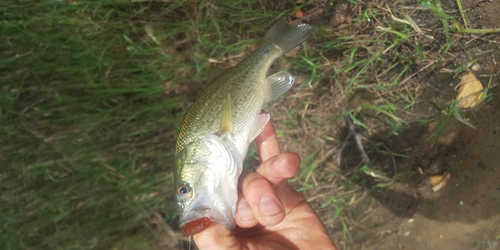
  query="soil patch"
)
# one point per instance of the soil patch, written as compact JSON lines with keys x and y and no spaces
{"x":465,"y":213}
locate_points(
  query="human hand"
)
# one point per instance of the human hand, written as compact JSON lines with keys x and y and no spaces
{"x":270,"y":213}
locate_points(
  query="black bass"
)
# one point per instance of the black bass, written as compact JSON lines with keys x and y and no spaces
{"x":218,"y":128}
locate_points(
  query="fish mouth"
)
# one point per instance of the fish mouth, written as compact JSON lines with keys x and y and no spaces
{"x":194,"y":214}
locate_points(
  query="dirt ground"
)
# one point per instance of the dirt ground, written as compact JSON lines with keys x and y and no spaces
{"x":465,"y":213}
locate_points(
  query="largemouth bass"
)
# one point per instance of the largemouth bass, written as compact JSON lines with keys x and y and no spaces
{"x":218,"y":128}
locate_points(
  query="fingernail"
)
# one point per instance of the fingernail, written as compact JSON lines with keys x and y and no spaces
{"x":268,"y":206}
{"x":244,"y":211}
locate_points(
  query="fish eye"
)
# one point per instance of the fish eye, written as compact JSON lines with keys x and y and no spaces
{"x":184,"y":190}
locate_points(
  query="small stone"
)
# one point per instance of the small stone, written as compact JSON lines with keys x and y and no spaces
{"x":475,"y":67}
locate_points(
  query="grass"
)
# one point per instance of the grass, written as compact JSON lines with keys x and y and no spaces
{"x":92,"y":97}
{"x":85,"y":119}
{"x":92,"y":94}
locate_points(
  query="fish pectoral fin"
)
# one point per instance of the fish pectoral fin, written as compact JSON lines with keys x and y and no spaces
{"x":213,"y":71}
{"x":279,"y":83}
{"x":226,"y":123}
{"x":261,"y":122}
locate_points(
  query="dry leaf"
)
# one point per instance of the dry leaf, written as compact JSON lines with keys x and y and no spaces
{"x":470,"y":91}
{"x":438,"y":181}
{"x":149,"y":32}
{"x":300,"y":14}
{"x":420,"y":170}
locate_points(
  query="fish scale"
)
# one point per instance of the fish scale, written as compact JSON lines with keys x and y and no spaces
{"x":204,"y":115}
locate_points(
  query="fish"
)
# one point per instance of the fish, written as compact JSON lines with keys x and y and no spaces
{"x":218,"y":128}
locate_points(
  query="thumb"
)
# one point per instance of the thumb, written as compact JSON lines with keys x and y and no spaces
{"x":216,"y":237}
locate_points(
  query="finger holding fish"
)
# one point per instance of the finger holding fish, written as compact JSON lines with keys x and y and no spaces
{"x":269,"y":177}
{"x":263,"y":193}
{"x":268,"y":147}
{"x":216,"y":237}
{"x":267,"y":143}
{"x":282,"y":167}
{"x":279,"y":168}
{"x":260,"y":203}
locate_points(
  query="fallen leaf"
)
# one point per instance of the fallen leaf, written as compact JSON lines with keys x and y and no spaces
{"x":420,"y":170}
{"x":438,"y":181}
{"x":300,"y":14}
{"x":470,"y":91}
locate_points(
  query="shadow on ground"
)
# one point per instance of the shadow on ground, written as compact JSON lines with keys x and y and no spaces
{"x":464,"y":214}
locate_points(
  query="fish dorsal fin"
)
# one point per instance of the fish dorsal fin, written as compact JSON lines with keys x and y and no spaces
{"x":261,"y":122}
{"x":213,"y":71}
{"x":279,"y":83}
{"x":226,"y":123}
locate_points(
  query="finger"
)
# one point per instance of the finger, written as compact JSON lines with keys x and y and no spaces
{"x":279,"y":168}
{"x":245,"y":218}
{"x":267,"y":143}
{"x":264,"y":203}
{"x":215,"y":237}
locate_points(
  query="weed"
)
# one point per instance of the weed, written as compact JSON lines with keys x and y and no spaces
{"x":437,"y":10}
{"x":91,"y":99}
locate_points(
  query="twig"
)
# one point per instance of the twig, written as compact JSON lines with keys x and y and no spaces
{"x":416,"y":73}
{"x":357,"y":138}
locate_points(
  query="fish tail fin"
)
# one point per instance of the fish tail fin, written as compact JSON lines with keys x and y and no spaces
{"x":288,"y":37}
